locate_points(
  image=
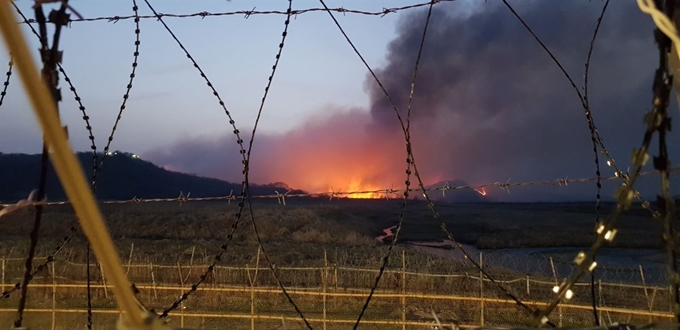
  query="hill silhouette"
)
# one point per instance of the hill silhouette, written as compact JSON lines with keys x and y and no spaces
{"x":123,"y":176}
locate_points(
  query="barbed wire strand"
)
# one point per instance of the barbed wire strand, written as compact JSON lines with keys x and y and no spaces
{"x":5,"y":85}
{"x":409,"y":162}
{"x":249,"y":13}
{"x":380,"y":193}
{"x":77,"y":97}
{"x":125,"y":96}
{"x":98,"y":166}
{"x":93,"y":147}
{"x":591,"y":123}
{"x":594,"y":133}
{"x":412,"y":162}
{"x":239,"y":141}
{"x":49,"y":73}
{"x":662,"y":88}
{"x":593,"y":293}
{"x":73,"y":229}
{"x":655,"y":120}
{"x":408,"y":156}
{"x":284,"y":34}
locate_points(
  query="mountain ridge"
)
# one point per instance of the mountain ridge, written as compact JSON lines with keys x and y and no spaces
{"x":123,"y":176}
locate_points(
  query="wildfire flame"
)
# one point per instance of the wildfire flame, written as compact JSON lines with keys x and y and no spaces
{"x":481,"y":192}
{"x":357,"y":190}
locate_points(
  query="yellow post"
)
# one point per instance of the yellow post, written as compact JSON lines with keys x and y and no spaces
{"x":325,"y":285}
{"x":481,"y":289}
{"x":54,"y":297}
{"x":403,"y":289}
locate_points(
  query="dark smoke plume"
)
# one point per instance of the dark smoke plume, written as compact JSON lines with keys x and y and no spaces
{"x":489,"y":105}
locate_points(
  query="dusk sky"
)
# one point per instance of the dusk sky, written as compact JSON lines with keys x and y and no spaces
{"x":489,"y":104}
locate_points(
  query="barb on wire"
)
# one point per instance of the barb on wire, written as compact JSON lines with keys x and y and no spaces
{"x":30,"y":200}
{"x":239,"y":141}
{"x":128,"y":88}
{"x":5,"y":85}
{"x":586,"y":100}
{"x":656,"y":120}
{"x":248,"y":13}
{"x":338,"y":194}
{"x":247,"y":170}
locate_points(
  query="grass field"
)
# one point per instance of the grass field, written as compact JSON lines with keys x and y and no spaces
{"x":298,"y":235}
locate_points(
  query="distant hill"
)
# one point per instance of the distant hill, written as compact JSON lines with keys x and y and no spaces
{"x":123,"y":176}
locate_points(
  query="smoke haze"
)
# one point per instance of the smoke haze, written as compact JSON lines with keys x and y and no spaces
{"x":489,"y":105}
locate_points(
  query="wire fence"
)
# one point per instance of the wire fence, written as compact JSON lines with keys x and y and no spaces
{"x":248,"y":296}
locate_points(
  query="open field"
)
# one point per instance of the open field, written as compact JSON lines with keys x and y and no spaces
{"x":168,"y":229}
{"x":168,"y":238}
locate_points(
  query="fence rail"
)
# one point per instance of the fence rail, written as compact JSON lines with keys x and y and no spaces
{"x":247,"y":297}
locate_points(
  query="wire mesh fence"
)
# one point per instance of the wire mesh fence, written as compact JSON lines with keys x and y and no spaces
{"x":330,"y":295}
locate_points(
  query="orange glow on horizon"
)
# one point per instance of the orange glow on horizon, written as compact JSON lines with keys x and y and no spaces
{"x":358,"y":190}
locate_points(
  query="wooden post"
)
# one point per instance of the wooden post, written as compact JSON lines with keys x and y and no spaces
{"x":54,"y":297}
{"x":481,"y":289}
{"x":403,"y":289}
{"x":599,"y":293}
{"x":4,"y":261}
{"x":644,"y":285}
{"x":153,"y":281}
{"x":191,"y":263}
{"x":528,"y":289}
{"x":101,"y":271}
{"x":253,"y":279}
{"x":181,"y":291}
{"x":132,"y":248}
{"x":325,"y":285}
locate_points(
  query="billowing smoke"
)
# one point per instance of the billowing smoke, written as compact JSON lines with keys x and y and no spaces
{"x":489,"y":105}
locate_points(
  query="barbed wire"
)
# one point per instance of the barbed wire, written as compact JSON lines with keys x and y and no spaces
{"x":239,"y":141}
{"x":49,"y":56}
{"x":662,"y":88}
{"x":128,"y":88}
{"x":290,"y":300}
{"x":248,"y":13}
{"x":656,"y":120}
{"x":598,"y":184}
{"x":377,"y":193}
{"x":5,"y":85}
{"x":93,"y":147}
{"x":409,"y":160}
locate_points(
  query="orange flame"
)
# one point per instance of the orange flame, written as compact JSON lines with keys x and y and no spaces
{"x":481,"y":192}
{"x":361,"y":191}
